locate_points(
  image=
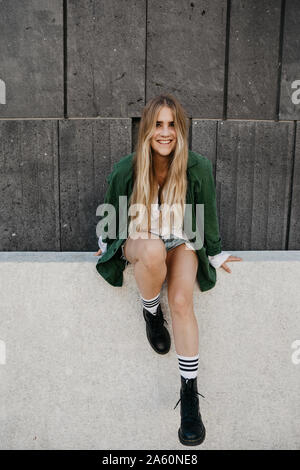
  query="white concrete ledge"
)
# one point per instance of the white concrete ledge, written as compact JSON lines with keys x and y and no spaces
{"x":77,"y":371}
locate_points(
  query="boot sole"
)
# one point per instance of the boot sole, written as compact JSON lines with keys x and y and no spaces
{"x":191,"y":442}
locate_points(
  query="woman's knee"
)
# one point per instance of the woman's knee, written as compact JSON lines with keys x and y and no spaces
{"x":152,"y":253}
{"x":134,"y":246}
{"x":181,"y":303}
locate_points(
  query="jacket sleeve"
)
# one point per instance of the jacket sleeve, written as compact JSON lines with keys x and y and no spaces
{"x":212,"y":239}
{"x":117,"y":187}
{"x":111,"y":197}
{"x":217,"y":260}
{"x":102,"y":245}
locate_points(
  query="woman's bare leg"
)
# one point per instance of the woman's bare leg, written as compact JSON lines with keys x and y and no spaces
{"x":149,"y":259}
{"x":182,"y":267}
{"x":182,"y":270}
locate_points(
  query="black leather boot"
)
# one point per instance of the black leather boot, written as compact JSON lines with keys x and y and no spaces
{"x":192,"y":430}
{"x":157,"y":334}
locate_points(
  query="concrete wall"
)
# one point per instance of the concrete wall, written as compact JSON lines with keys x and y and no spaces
{"x":79,"y":372}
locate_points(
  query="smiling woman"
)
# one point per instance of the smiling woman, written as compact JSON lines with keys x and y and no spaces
{"x":163,"y":170}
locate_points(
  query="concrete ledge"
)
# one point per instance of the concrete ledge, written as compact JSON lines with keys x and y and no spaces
{"x":77,"y":372}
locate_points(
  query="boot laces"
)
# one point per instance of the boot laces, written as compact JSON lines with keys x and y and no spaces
{"x":192,"y":393}
{"x":157,"y":320}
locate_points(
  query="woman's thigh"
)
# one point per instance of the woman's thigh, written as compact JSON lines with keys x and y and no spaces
{"x":135,"y":248}
{"x":182,"y":265}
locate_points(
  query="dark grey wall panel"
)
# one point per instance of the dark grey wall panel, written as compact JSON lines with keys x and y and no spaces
{"x":135,"y":124}
{"x":290,"y":62}
{"x":106,"y":57}
{"x":253,"y":59}
{"x":31,"y":57}
{"x":294,"y":235}
{"x":88,"y":150}
{"x":29,"y":219}
{"x":204,"y":141}
{"x":254,"y":163}
{"x":204,"y":138}
{"x":185,"y":53}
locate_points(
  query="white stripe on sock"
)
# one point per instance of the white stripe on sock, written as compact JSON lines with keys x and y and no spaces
{"x":151,"y":305}
{"x":188,"y":366}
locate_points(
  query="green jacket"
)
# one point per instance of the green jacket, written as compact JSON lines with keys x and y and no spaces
{"x":200,"y":190}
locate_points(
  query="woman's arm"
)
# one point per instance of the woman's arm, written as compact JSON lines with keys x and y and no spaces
{"x":217,"y":260}
{"x":117,"y":186}
{"x":102,"y":245}
{"x":111,"y":197}
{"x":212,"y":239}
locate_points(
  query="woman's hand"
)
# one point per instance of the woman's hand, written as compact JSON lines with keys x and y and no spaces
{"x":99,"y":252}
{"x":230,"y":258}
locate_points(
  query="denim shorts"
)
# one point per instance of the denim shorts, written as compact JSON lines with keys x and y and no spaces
{"x":169,"y":244}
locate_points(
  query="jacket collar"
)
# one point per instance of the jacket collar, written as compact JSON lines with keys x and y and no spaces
{"x":192,"y":159}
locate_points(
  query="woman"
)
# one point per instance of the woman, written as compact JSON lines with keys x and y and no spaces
{"x":161,"y":172}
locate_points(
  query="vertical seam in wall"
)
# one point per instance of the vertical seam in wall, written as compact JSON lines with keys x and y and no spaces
{"x":216,"y":150}
{"x":225,"y":85}
{"x":58,"y":184}
{"x":291,"y":188}
{"x":218,"y":194}
{"x":279,"y":63}
{"x":65,"y":57}
{"x":146,"y":33}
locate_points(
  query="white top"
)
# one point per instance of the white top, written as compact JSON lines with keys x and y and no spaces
{"x":177,"y":230}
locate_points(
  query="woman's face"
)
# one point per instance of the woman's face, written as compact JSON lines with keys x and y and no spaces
{"x":163,"y":141}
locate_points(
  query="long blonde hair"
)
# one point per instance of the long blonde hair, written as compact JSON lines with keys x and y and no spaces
{"x":145,"y":183}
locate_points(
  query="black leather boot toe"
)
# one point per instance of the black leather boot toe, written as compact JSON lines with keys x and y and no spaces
{"x":157,"y":334}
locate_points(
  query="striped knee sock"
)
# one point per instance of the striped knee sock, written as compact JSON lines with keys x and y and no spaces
{"x":188,"y":366}
{"x":151,"y":305}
